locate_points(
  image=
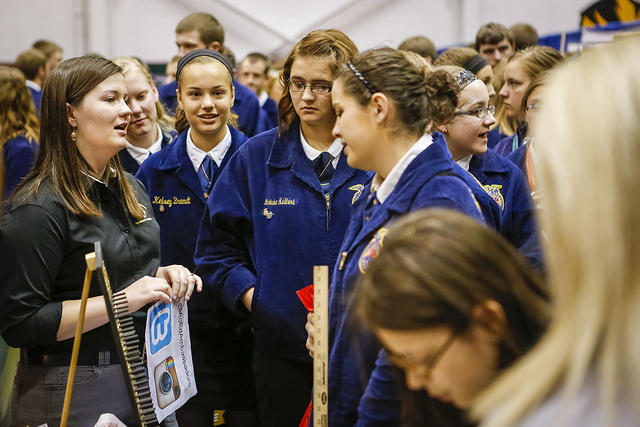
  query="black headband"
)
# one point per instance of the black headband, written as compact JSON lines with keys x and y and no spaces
{"x":475,"y":64}
{"x":364,"y":81}
{"x":465,"y":78}
{"x":204,"y":52}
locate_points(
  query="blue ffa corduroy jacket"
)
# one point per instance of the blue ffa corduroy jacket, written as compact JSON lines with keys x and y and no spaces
{"x":427,"y":182}
{"x":494,"y":136}
{"x":245,"y":105}
{"x":509,"y":188}
{"x":271,"y":110}
{"x":519,"y":158}
{"x":130,"y":164}
{"x":511,"y":143}
{"x":19,"y":155}
{"x":36,"y":95}
{"x":381,"y":403}
{"x":221,"y":352}
{"x":177,"y":197}
{"x":266,"y":225}
{"x":489,"y":208}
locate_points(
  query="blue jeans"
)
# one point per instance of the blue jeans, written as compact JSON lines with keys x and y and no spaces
{"x":38,"y":395}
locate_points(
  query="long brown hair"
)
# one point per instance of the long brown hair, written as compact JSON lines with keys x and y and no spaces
{"x":333,"y":44}
{"x":419,"y":94}
{"x":59,"y":158}
{"x":436,"y":265}
{"x":17,"y":112}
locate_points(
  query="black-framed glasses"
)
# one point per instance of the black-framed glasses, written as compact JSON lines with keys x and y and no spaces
{"x":429,"y":364}
{"x":318,"y":88}
{"x":480,"y":112}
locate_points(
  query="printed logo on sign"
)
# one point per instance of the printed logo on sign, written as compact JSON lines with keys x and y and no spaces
{"x":160,"y":327}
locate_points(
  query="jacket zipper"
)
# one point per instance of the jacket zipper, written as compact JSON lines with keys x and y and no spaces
{"x":327,"y":197}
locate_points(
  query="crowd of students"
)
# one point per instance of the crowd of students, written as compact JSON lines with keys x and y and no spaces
{"x":475,"y":278}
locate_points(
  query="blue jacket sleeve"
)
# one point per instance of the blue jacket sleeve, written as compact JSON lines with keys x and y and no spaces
{"x":525,"y":230}
{"x":222,"y":255}
{"x":381,"y":404}
{"x":18,"y":157}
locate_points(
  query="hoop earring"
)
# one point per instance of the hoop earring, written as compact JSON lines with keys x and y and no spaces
{"x":74,"y":136}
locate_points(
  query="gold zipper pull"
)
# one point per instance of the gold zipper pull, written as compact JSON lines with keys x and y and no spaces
{"x":343,"y":256}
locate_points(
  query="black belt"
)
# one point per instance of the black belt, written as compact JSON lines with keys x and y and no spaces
{"x":85,"y":358}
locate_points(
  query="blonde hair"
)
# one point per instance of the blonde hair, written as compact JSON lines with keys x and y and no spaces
{"x":128,"y":64}
{"x":416,"y":60}
{"x":533,"y":60}
{"x":593,"y":243}
{"x":17,"y":112}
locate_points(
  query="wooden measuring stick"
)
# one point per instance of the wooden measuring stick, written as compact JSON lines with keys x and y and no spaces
{"x":321,"y":345}
{"x":90,"y":259}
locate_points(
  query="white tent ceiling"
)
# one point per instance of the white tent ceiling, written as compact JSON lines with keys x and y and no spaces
{"x":274,"y":27}
{"x":145,"y":28}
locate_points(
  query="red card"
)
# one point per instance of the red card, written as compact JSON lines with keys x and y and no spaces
{"x":306,"y":296}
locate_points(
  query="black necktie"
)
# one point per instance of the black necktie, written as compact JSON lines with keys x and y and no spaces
{"x":323,"y":167}
{"x":206,"y":173}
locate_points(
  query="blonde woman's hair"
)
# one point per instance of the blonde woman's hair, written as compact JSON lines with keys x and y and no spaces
{"x":416,"y":60}
{"x":17,"y":112}
{"x":591,"y":218}
{"x":128,"y":64}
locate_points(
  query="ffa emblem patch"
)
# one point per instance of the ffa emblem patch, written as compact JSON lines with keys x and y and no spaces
{"x":494,"y":192}
{"x":372,"y":250}
{"x":358,"y":190}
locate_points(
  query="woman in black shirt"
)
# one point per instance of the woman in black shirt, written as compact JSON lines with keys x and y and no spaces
{"x":77,"y":194}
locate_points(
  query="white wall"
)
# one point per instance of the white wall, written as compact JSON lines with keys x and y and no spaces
{"x":145,"y":28}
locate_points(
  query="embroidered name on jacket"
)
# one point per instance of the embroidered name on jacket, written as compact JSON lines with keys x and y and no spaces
{"x":494,"y":192}
{"x":281,"y":201}
{"x":372,"y":249}
{"x":170,"y":201}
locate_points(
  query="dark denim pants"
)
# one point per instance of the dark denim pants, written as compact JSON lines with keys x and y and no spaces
{"x":38,"y":396}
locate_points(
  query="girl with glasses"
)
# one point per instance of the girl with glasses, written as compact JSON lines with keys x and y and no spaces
{"x":453,"y":304}
{"x":466,"y":137}
{"x":383,"y":103}
{"x":524,"y":157}
{"x":281,"y":206}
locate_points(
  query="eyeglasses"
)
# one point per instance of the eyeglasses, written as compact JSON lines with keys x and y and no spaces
{"x":480,"y":112}
{"x":317,"y":88}
{"x":428,"y":365}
